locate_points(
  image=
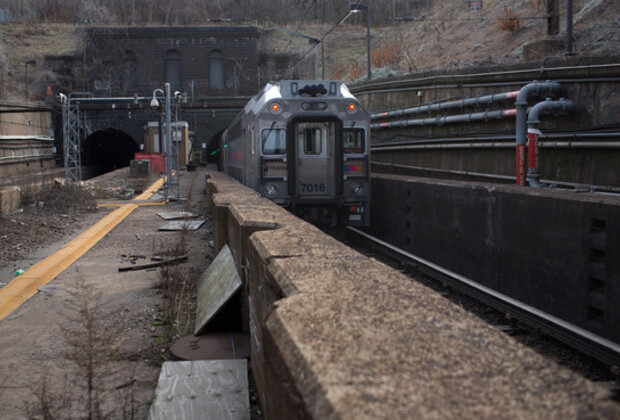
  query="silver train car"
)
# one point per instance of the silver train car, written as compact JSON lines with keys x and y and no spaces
{"x":305,"y":145}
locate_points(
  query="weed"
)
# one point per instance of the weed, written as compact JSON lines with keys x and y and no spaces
{"x":59,"y":198}
{"x":540,"y":6}
{"x":509,"y":20}
{"x":390,"y":53}
{"x":90,"y":343}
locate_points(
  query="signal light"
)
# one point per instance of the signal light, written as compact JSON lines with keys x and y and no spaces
{"x":275,"y":107}
{"x":351,"y":108}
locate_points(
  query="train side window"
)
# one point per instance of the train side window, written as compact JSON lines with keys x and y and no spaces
{"x":353,"y":140}
{"x":313,"y":141}
{"x":274,"y":141}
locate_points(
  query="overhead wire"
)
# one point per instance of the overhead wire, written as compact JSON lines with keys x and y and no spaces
{"x":321,"y":40}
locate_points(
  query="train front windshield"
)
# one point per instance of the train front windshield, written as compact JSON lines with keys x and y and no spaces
{"x":274,"y":141}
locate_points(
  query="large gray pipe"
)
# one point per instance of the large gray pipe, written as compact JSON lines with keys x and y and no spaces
{"x":539,"y":89}
{"x":461,"y":103}
{"x":531,"y":89}
{"x":560,"y":107}
{"x":449,"y":119}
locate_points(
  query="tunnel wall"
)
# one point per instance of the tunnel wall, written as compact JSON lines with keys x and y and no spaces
{"x":335,"y":334}
{"x":554,"y":250}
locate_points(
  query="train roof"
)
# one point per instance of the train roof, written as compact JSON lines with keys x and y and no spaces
{"x":298,"y":89}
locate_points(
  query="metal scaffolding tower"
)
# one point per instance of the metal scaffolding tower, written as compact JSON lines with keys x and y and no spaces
{"x":71,"y":139}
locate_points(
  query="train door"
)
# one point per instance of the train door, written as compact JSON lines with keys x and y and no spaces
{"x":314,"y":142}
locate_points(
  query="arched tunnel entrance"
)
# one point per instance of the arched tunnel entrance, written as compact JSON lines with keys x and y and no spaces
{"x":106,"y":150}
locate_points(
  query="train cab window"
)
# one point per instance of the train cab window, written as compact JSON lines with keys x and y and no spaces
{"x":313,"y":141}
{"x":274,"y":141}
{"x":353,"y":140}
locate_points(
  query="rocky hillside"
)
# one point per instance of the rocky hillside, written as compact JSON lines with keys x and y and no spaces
{"x":448,"y":35}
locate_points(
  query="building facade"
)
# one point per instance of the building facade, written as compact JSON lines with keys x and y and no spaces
{"x":199,"y":62}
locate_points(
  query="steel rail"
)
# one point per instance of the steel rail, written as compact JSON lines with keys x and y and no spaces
{"x":573,"y":335}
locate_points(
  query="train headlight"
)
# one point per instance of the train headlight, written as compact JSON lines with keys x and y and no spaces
{"x":275,"y":108}
{"x":270,"y":189}
{"x":357,"y":188}
{"x":351,"y":107}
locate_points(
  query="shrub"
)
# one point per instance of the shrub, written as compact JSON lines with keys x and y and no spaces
{"x":509,"y":20}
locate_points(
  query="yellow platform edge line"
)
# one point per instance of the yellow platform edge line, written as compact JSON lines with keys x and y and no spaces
{"x":23,"y":287}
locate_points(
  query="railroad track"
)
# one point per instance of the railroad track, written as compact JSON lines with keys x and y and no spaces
{"x":573,"y":336}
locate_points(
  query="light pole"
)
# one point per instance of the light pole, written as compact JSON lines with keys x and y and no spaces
{"x":569,"y":28}
{"x":32,"y":63}
{"x":154,"y":104}
{"x":357,"y":8}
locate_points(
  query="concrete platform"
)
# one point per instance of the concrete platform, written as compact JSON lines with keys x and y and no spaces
{"x":335,"y":334}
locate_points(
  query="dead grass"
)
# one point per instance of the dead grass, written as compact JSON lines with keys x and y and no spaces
{"x":509,"y":20}
{"x":97,"y":390}
{"x":32,"y":41}
{"x":59,"y":198}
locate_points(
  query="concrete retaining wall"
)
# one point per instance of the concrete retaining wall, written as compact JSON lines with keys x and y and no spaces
{"x":590,"y":85}
{"x":554,"y":250}
{"x":338,"y":335}
{"x":10,"y":200}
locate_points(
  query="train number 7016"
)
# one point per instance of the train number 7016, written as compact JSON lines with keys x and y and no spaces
{"x":312,"y":188}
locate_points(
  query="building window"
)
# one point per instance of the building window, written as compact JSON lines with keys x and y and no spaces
{"x":130,"y":71}
{"x":217,"y":70}
{"x":173,"y":70}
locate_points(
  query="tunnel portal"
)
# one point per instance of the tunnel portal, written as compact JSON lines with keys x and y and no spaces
{"x":106,"y":150}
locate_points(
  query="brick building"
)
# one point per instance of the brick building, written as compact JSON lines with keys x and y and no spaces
{"x":200,"y":61}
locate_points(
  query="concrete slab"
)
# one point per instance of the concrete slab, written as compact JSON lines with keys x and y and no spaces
{"x":172,"y":215}
{"x":212,"y":346}
{"x":182,"y":225}
{"x":206,"y":390}
{"x":215,"y":287}
{"x":10,"y":200}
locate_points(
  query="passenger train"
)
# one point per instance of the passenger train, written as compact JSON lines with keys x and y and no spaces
{"x":306,"y":146}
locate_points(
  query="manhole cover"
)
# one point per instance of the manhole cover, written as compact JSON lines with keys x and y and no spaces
{"x":213,"y":346}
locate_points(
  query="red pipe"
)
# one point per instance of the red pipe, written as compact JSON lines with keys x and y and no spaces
{"x":532,"y":150}
{"x":520,"y":164}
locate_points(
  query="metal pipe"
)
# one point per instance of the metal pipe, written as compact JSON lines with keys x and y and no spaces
{"x":446,"y":171}
{"x":449,"y":119}
{"x":548,"y":137}
{"x":25,"y":137}
{"x":500,"y":145}
{"x":589,"y":187}
{"x":168,"y":142}
{"x":562,"y":107}
{"x":569,"y":28}
{"x":368,"y":39}
{"x":531,"y":89}
{"x":462,"y":103}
